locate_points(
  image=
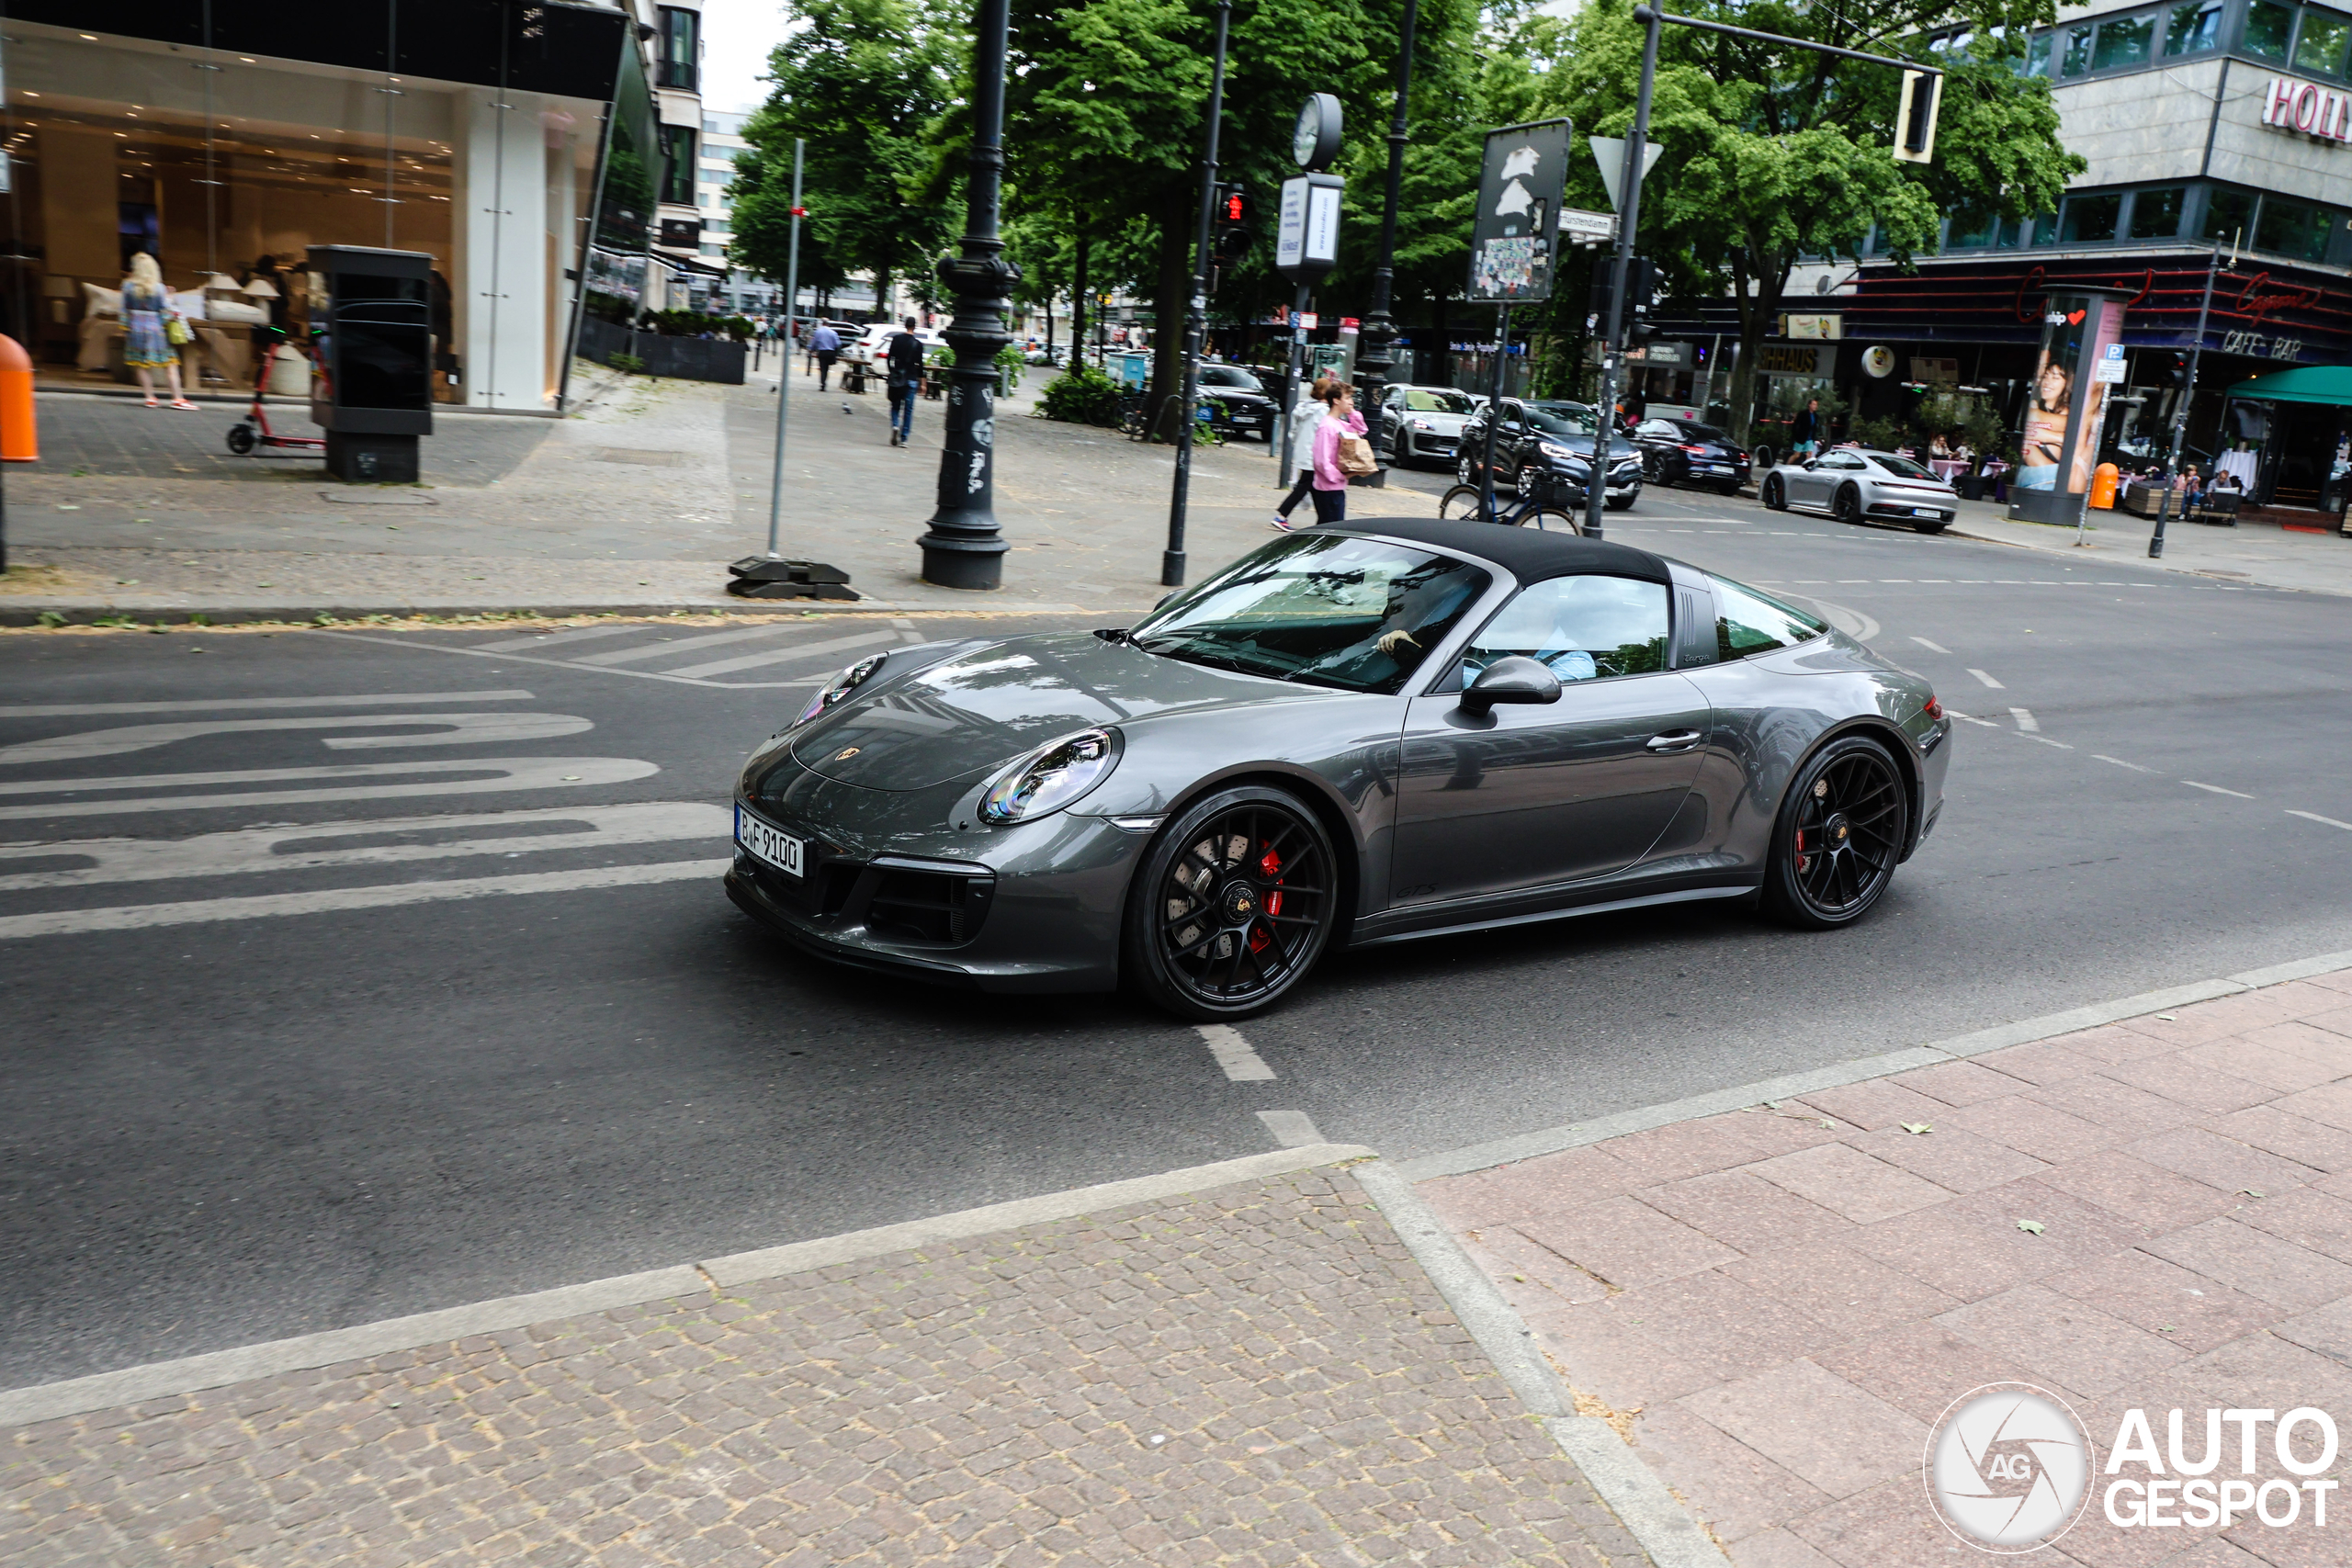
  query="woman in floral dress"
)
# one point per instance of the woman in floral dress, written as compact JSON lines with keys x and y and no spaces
{"x":146,"y":306}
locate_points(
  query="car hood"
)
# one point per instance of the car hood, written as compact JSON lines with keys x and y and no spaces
{"x":984,"y":707}
{"x":1447,"y":422}
{"x":1580,"y":448}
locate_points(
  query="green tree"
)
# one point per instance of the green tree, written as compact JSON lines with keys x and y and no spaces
{"x":1771,"y":153}
{"x":865,"y":82}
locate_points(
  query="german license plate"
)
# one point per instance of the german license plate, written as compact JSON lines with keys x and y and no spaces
{"x":1925,"y":511}
{"x":767,"y":844}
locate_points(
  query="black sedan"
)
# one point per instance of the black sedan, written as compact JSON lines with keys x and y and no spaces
{"x":1532,"y":436}
{"x":1249,"y":410}
{"x":1355,"y":734}
{"x":1684,"y":452}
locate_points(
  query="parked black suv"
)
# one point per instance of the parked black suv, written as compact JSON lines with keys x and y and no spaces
{"x":1684,"y":452}
{"x":1548,"y":434}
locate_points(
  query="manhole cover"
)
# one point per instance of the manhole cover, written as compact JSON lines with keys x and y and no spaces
{"x":644,"y":459}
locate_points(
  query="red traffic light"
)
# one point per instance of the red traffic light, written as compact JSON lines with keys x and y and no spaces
{"x":1235,"y":207}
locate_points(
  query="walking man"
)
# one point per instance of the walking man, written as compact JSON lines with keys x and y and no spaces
{"x":906,"y":382}
{"x":1805,"y":430}
{"x":825,"y":344}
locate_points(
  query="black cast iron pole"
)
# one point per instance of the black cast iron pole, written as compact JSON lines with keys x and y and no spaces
{"x":964,"y":548}
{"x":1379,"y":331}
{"x":1612,"y":330}
{"x":1196,"y":317}
{"x":2180,"y":415}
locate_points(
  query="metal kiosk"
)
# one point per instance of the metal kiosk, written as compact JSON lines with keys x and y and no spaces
{"x":374,"y":393}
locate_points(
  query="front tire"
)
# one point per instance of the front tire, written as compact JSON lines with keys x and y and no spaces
{"x":1463,"y":503}
{"x":1776,"y":494}
{"x":1232,"y":905}
{"x":1840,"y":833}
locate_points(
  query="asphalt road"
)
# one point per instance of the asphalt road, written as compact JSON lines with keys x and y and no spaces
{"x":266,"y":1078}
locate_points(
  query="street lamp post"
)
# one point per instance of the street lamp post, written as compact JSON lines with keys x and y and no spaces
{"x":2180,"y":415}
{"x":964,"y":548}
{"x":1196,"y":317}
{"x":1379,"y":331}
{"x":1612,"y":328}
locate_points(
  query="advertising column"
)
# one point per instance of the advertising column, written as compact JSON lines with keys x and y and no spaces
{"x":2065,"y":405}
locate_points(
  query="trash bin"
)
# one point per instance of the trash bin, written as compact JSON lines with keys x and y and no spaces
{"x":374,"y":393}
{"x":2104,"y":480}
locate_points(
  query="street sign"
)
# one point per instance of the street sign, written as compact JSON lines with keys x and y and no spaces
{"x":1582,"y":227}
{"x":1516,"y":226}
{"x":1307,"y":227}
{"x":1307,"y":319}
{"x":2110,"y":367}
{"x":1609,"y":153}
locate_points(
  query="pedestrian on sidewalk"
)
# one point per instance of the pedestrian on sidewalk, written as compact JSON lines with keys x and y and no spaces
{"x":825,"y":344}
{"x":1805,"y":430}
{"x":147,"y":317}
{"x":906,"y":382}
{"x":1304,"y":420}
{"x":1341,"y":421}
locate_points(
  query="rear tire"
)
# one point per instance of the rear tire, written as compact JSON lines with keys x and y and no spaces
{"x":1231,"y":906}
{"x":1775,"y":494}
{"x":1838,"y":837}
{"x":1463,"y":503}
{"x":1552,"y":521}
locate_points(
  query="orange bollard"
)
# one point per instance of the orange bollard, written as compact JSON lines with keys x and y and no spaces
{"x":2104,"y":480}
{"x":19,"y":441}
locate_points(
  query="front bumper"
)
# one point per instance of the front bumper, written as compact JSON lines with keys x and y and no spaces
{"x":889,"y":884}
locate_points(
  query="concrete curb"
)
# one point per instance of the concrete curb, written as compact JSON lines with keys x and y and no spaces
{"x":1958,"y":531}
{"x":157,"y":1379}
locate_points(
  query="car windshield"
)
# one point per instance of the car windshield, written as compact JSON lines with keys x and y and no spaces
{"x":1323,"y":609}
{"x":1902,"y":468}
{"x":1424,"y":399}
{"x":1561,"y":419}
{"x":1227,"y":375}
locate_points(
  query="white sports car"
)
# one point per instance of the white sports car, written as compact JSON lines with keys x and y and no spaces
{"x":1854,"y":484}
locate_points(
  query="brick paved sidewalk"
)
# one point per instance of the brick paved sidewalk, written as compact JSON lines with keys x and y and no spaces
{"x":1782,"y":1299}
{"x":1256,"y":1374}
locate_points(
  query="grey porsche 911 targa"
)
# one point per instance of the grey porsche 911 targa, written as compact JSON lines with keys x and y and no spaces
{"x":1355,"y":734}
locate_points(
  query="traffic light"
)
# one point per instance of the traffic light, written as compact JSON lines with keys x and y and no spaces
{"x":1915,"y":121}
{"x":1641,"y":286}
{"x":1236,"y":230}
{"x":2179,"y":375}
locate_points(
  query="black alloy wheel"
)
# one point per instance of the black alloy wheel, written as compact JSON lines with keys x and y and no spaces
{"x":1232,"y":905}
{"x":1847,"y":507}
{"x":1840,"y":834}
{"x":1776,"y":494}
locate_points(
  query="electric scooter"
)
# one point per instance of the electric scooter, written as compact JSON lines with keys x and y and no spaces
{"x":254,"y":430}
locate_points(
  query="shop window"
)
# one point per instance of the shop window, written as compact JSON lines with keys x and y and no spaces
{"x":2319,"y":48}
{"x":2037,"y":56}
{"x":2045,"y":229}
{"x":2012,"y":234}
{"x":2155,"y":214}
{"x":681,"y":40}
{"x":2194,"y":28}
{"x":2267,"y":27}
{"x":2125,"y":42}
{"x":2091,"y":218}
{"x":2294,"y":229}
{"x":2077,"y":58}
{"x":2229,"y":214}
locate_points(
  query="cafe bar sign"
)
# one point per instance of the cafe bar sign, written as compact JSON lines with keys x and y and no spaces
{"x":2307,"y":108}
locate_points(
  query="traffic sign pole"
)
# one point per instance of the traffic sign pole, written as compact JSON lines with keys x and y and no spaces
{"x":1196,"y":318}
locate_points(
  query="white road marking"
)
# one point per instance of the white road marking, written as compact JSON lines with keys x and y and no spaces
{"x":307,"y":848}
{"x":657,"y":650}
{"x":139,"y":916}
{"x":1989,"y":680}
{"x":1292,"y":1129}
{"x":552,"y":639}
{"x":1931,"y":646}
{"x":406,"y":699}
{"x":2216,"y":789}
{"x":415,"y":646}
{"x":511,"y":773}
{"x":1241,"y":1063}
{"x":460,"y":729}
{"x":2101,"y":757}
{"x":2315,"y":816}
{"x":805,"y":650}
{"x":1972,"y":718}
{"x":2026,"y":721}
{"x":2045,"y":740}
{"x":907,"y":632}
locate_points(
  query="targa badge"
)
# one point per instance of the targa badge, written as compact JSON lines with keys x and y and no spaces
{"x":2008,"y":1467}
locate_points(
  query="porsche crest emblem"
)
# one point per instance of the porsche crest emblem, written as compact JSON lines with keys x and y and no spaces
{"x":844,"y":754}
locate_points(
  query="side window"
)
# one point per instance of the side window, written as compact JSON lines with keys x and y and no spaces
{"x":1746,"y":621}
{"x":1582,"y":629}
{"x":1658,"y":428}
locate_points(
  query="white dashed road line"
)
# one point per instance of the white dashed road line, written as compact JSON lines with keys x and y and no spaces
{"x":1989,"y":680}
{"x":405,"y":699}
{"x":2315,"y":816}
{"x":1931,"y":648}
{"x":1292,"y":1129}
{"x":2216,"y":789}
{"x":2026,"y":723}
{"x":1241,"y":1063}
{"x":2122,"y":763}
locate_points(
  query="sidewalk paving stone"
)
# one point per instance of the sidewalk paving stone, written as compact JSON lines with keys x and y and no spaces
{"x":2190,"y":1177}
{"x":1253,"y":1375}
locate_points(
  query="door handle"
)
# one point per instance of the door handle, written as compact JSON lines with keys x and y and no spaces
{"x":1674,"y":740}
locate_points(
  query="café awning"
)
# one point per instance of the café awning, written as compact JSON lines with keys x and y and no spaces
{"x":2303,"y":384}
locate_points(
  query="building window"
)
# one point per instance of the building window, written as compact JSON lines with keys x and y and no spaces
{"x":2268,"y":26}
{"x":2155,"y":214}
{"x":2045,"y":229}
{"x":2091,"y":218}
{"x":2037,"y":55}
{"x":2229,"y":214}
{"x":678,"y":173}
{"x":1968,"y":236}
{"x":2012,"y":234}
{"x":680,"y":37}
{"x":2194,"y":28}
{"x":2294,"y":229}
{"x":2125,"y":42}
{"x":2077,"y":58}
{"x":2319,"y":48}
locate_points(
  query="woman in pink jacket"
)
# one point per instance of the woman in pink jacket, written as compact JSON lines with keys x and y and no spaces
{"x":1342,"y":420}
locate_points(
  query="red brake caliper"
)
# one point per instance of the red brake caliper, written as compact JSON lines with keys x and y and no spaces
{"x":1805,"y":861}
{"x":1270,"y":866}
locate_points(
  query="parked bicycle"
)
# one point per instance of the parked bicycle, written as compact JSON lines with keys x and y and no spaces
{"x":1543,"y":503}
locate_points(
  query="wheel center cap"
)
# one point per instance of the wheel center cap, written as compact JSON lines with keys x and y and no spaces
{"x":1239,"y":901}
{"x":1837,"y":831}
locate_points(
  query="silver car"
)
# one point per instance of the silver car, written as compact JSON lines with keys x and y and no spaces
{"x":1423,"y":424}
{"x":1855,"y":483}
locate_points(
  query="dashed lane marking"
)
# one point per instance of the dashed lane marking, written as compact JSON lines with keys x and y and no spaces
{"x":2102,"y":757}
{"x":507,"y":773}
{"x":1241,"y":1063}
{"x":1931,"y":647}
{"x":1292,"y":1129}
{"x":1988,"y":681}
{"x":780,"y":656}
{"x":205,"y":704}
{"x":2026,"y":723}
{"x":2217,"y":789}
{"x":2315,"y":816}
{"x":456,"y":729}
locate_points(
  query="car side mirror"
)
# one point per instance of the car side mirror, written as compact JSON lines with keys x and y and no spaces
{"x":1810,"y":464}
{"x":1511,"y":680}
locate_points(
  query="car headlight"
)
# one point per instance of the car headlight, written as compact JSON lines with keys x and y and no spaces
{"x":840,"y":686}
{"x":1051,"y":777}
{"x":1420,"y":424}
{"x":1553,"y":450}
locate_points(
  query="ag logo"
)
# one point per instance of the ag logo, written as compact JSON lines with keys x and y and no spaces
{"x":2008,"y":1467}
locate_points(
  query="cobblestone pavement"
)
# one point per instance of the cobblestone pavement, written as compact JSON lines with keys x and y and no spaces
{"x":116,"y":437}
{"x":1258,"y":1374}
{"x":1782,"y":1299}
